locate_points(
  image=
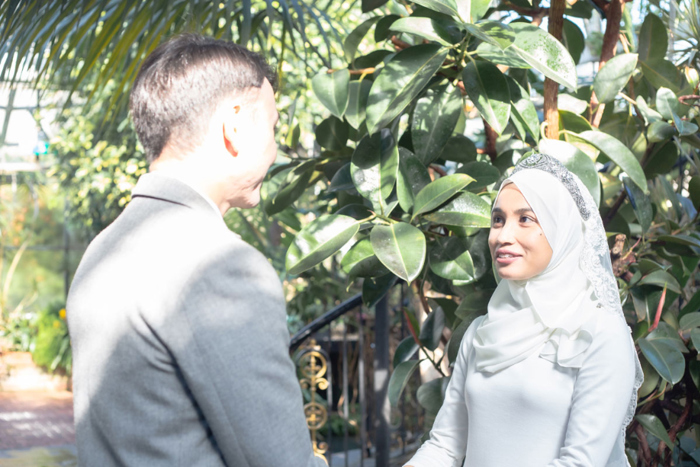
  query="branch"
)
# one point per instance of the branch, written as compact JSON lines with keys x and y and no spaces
{"x":613,"y":11}
{"x":646,"y":452}
{"x":551,"y":87}
{"x":491,"y":136}
{"x":399,"y":44}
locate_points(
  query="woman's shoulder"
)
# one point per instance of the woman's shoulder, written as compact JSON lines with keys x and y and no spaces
{"x":612,"y":338}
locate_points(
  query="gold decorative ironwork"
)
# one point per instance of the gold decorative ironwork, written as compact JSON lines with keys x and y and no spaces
{"x":314,"y":365}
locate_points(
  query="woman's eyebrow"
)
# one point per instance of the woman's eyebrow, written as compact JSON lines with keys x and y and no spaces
{"x":517,"y":211}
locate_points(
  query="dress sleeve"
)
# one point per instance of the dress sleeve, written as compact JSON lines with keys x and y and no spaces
{"x":448,"y":438}
{"x":601,"y":397}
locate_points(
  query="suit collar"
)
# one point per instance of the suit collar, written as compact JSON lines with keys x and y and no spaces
{"x":159,"y":186}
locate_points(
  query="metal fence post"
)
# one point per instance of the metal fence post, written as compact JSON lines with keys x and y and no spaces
{"x":381,"y":383}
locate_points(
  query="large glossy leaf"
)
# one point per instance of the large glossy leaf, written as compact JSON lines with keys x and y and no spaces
{"x":430,"y":395}
{"x":483,"y":173}
{"x":653,"y":38}
{"x":291,"y":185}
{"x":398,"y":380}
{"x":544,"y":53}
{"x":661,"y":73}
{"x":431,"y":331}
{"x":358,"y":92}
{"x":660,"y":131}
{"x":573,"y":39}
{"x":495,"y":54}
{"x":665,"y":358}
{"x":456,"y":340}
{"x":488,"y":90}
{"x":661,"y":279}
{"x":576,"y":161}
{"x":434,"y":120}
{"x":459,"y":148}
{"x":375,"y":288}
{"x":447,"y":7}
{"x":352,"y":42}
{"x":406,"y":349}
{"x":654,"y":426}
{"x":466,"y":210}
{"x":439,"y":191}
{"x":613,"y":77}
{"x":641,"y":204}
{"x":332,"y":90}
{"x":369,"y":5}
{"x":694,"y":191}
{"x":400,"y":81}
{"x":401,"y":248}
{"x":522,"y":109}
{"x":650,"y":115}
{"x":690,"y":320}
{"x":413,"y":176}
{"x":662,"y":159}
{"x":493,"y":32}
{"x":619,"y":154}
{"x":318,"y":240}
{"x":332,"y":133}
{"x":360,"y":261}
{"x":427,"y":28}
{"x":667,"y":103}
{"x":374,"y":166}
{"x":450,"y":258}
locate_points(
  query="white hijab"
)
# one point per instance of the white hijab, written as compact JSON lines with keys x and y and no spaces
{"x":555,"y":312}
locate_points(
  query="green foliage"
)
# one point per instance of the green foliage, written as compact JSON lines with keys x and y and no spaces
{"x":421,"y":192}
{"x":52,"y":349}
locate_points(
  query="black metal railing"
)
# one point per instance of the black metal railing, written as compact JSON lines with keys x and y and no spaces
{"x":352,"y":346}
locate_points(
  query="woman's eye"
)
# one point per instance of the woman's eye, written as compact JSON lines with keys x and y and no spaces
{"x":526,"y":219}
{"x":496,"y":220}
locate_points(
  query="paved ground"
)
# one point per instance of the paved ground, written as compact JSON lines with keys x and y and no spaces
{"x":36,"y":429}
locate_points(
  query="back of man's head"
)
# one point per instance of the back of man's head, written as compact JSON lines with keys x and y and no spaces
{"x":180,"y":85}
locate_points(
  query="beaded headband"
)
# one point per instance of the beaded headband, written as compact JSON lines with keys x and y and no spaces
{"x":551,"y":165}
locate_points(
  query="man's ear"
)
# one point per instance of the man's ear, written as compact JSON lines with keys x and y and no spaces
{"x":231,"y":133}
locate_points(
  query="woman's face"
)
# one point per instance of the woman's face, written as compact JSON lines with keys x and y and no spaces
{"x":519,"y":248}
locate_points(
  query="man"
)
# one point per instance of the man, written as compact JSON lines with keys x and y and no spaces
{"x":179,"y":327}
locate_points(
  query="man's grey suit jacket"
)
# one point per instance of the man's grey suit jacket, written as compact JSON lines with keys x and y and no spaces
{"x":180,"y":343}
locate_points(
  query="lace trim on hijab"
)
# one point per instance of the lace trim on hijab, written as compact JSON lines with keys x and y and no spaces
{"x":595,"y":259}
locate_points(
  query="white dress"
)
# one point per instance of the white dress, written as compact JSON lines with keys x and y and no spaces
{"x":536,"y":413}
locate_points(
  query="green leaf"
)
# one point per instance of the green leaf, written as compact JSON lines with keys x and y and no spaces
{"x":619,"y":154}
{"x":360,"y":261}
{"x":431,"y":331}
{"x":427,"y":28}
{"x":456,"y":340}
{"x":641,"y":204}
{"x":374,"y":166}
{"x":434,"y":120}
{"x":477,"y":9}
{"x":653,"y":39}
{"x":576,"y":161}
{"x":695,"y":338}
{"x":654,"y":426}
{"x":694,"y":191}
{"x":544,"y":53}
{"x":406,"y":349}
{"x":474,"y":304}
{"x":522,"y":108}
{"x":680,"y":239}
{"x":430,"y":395}
{"x":400,"y":81}
{"x":488,"y":90}
{"x":684,"y":127}
{"x":369,"y":5}
{"x":661,"y":279}
{"x":413,"y":176}
{"x":401,"y":248}
{"x":318,"y":240}
{"x":466,"y":210}
{"x":459,"y":148}
{"x":661,"y":73}
{"x":650,"y":115}
{"x":450,"y":258}
{"x":483,"y":173}
{"x":660,"y":131}
{"x":571,"y":122}
{"x":667,"y":103}
{"x":352,"y":42}
{"x":372,"y":59}
{"x":492,"y":32}
{"x":358,"y":92}
{"x":439,"y":191}
{"x":665,"y":358}
{"x":398,"y":380}
{"x":571,"y":103}
{"x":332,"y":134}
{"x":495,"y":54}
{"x":375,"y":288}
{"x":690,"y":320}
{"x":573,"y":39}
{"x":381,"y":32}
{"x":613,"y":77}
{"x":292,"y":184}
{"x":332,"y":90}
{"x":662,"y":159}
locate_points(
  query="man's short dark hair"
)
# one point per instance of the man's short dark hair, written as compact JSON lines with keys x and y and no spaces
{"x":181,"y":83}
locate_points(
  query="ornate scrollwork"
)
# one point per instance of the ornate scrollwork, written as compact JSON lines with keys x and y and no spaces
{"x":313,"y":365}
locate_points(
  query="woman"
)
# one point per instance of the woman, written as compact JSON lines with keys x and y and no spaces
{"x":549,"y":376}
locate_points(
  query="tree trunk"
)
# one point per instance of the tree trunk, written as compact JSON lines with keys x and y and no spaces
{"x":551,"y":88}
{"x":610,"y":38}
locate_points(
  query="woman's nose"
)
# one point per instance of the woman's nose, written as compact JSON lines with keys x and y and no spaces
{"x":506,"y":233}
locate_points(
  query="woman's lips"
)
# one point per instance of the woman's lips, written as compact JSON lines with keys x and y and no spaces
{"x":504,"y":261}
